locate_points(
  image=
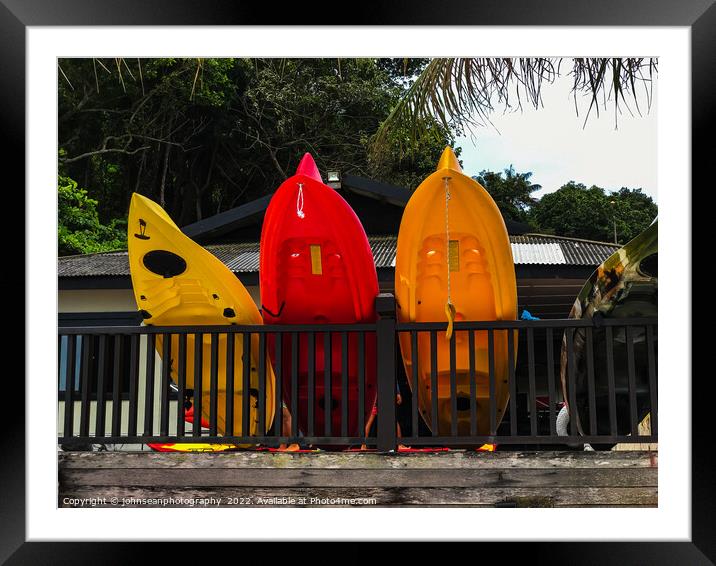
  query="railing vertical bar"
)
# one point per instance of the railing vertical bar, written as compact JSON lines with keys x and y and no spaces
{"x":414,"y":380}
{"x":361,"y":383}
{"x":491,"y":379}
{"x":87,"y":344}
{"x":133,"y":385}
{"x":99,"y":427}
{"x":453,"y":385}
{"x":68,"y":429}
{"x":181,"y":385}
{"x":327,"y":375}
{"x":652,"y":378}
{"x":294,"y":384}
{"x":214,"y":385}
{"x":386,"y":352}
{"x":434,"y":382}
{"x":513,"y":381}
{"x":571,"y":386}
{"x":117,"y":387}
{"x":149,"y":385}
{"x":60,"y":367}
{"x":261,"y":427}
{"x":631,"y":373}
{"x":609,"y":338}
{"x":246,"y":385}
{"x":278,"y":374}
{"x":551,"y":383}
{"x":198,"y":378}
{"x":532,"y":384}
{"x":230,"y":374}
{"x":590,"y":383}
{"x":473,"y":383}
{"x":164,"y":399}
{"x":311,"y":408}
{"x":344,"y":384}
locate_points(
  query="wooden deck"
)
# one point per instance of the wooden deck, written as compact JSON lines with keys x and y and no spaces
{"x":458,"y":478}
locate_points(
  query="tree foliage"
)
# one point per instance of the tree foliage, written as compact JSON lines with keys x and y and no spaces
{"x":79,"y":228}
{"x":590,"y":213}
{"x":511,"y":191}
{"x":202,"y":136}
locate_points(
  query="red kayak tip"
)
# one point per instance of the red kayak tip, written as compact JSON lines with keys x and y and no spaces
{"x":308,"y":168}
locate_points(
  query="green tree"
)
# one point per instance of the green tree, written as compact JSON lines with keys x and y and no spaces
{"x":512,"y":192}
{"x":633,"y":211}
{"x":331,"y":108}
{"x":155,"y":126}
{"x":201,"y":136}
{"x":580,"y":212}
{"x":79,"y":228}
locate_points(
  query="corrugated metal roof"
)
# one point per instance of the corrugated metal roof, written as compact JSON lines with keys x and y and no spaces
{"x":530,"y":249}
{"x":89,"y":265}
{"x":549,"y":253}
{"x":239,"y":258}
{"x":575,"y":251}
{"x":383,"y":248}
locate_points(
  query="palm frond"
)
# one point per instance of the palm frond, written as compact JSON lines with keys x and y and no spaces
{"x":613,"y":78}
{"x":464,"y":92}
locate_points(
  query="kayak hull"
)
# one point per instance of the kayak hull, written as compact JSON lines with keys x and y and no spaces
{"x":316,"y":268}
{"x":176,"y":282}
{"x":624,"y":286}
{"x":470,"y":264}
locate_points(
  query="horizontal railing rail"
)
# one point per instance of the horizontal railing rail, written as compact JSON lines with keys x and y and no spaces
{"x":208,"y":329}
{"x":379,"y":384}
{"x":517,"y":324}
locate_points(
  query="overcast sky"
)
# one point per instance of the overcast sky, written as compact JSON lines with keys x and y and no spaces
{"x":552,"y":143}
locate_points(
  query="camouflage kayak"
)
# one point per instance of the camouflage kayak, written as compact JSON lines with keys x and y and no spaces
{"x":624,"y":286}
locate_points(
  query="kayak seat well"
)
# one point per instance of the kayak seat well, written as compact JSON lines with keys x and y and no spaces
{"x":470,"y":280}
{"x":164,"y":295}
{"x":313,"y":271}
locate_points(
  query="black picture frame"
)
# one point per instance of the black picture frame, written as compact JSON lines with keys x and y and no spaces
{"x":698,"y":15}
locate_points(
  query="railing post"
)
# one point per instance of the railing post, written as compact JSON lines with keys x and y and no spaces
{"x":385,"y":337}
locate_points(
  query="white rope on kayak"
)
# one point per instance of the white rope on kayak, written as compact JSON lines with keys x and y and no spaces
{"x":449,"y":307}
{"x":299,"y":202}
{"x":447,"y":233}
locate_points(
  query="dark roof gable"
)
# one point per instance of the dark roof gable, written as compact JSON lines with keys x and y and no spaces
{"x":219,"y":224}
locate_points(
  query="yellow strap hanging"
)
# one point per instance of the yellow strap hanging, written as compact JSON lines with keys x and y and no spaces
{"x":450,"y":312}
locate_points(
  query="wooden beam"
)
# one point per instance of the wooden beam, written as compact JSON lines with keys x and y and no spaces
{"x":357,"y":460}
{"x":312,"y":477}
{"x":369,"y":496}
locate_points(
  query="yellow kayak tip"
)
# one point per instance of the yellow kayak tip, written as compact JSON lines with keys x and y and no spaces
{"x":448,"y":160}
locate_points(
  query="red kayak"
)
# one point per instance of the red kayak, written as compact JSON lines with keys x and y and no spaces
{"x":316,"y":267}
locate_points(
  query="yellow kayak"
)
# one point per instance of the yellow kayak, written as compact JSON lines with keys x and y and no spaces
{"x":176,"y":283}
{"x":454,"y":263}
{"x":189,"y":447}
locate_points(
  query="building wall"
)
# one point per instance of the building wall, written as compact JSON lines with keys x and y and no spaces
{"x":96,"y":300}
{"x":110,"y":300}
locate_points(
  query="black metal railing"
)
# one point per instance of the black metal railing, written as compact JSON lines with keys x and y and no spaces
{"x":492,"y":382}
